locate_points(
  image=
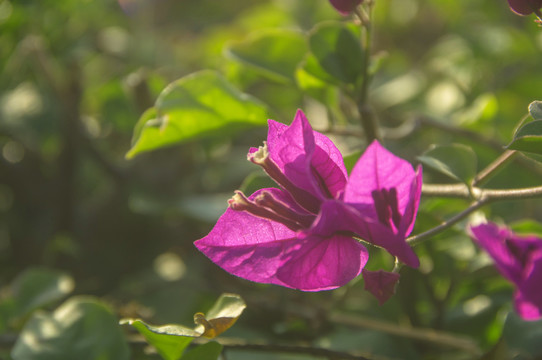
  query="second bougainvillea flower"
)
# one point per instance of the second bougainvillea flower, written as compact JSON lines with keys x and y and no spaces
{"x":301,"y":235}
{"x":345,"y":7}
{"x":525,"y":7}
{"x":519,"y":259}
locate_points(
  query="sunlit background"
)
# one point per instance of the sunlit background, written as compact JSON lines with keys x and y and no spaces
{"x":77,"y":75}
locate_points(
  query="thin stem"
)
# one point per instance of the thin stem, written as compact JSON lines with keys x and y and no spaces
{"x":484,"y":197}
{"x":521,"y":159}
{"x":486,"y":174}
{"x":368,"y":120}
{"x":416,"y":239}
{"x":421,"y":334}
{"x":461,"y":191}
{"x":241,"y":345}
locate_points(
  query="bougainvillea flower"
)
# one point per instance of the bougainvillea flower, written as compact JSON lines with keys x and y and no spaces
{"x":345,"y":7}
{"x":525,"y":7}
{"x":302,"y":235}
{"x":519,"y":259}
{"x":381,"y":284}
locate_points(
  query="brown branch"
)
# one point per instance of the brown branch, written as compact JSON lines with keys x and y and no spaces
{"x":522,"y":160}
{"x":421,"y":334}
{"x":261,"y":346}
{"x":234,"y":344}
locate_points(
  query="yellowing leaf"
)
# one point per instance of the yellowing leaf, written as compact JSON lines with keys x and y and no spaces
{"x":171,"y":340}
{"x":221,"y":317}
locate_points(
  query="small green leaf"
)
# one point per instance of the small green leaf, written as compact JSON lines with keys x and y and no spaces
{"x":275,"y":52}
{"x":222,"y":315}
{"x":315,"y":81}
{"x":527,"y":227}
{"x":528,"y":138}
{"x":82,"y":328}
{"x":456,"y":161}
{"x":255,"y":181}
{"x":535,"y":109}
{"x":208,"y":351}
{"x":146,"y":119}
{"x":37,"y":287}
{"x":338,"y":51}
{"x":199,"y":105}
{"x":351,"y":160}
{"x":169,"y":340}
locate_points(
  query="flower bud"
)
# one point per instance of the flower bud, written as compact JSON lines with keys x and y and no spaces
{"x":525,"y":7}
{"x":345,"y":7}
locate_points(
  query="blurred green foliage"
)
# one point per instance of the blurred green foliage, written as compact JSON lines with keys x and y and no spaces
{"x":76,"y":217}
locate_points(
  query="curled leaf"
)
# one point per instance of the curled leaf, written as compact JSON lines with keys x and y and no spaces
{"x":171,"y":340}
{"x":222,"y":315}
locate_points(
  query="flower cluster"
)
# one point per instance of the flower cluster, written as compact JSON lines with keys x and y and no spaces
{"x":519,"y":259}
{"x":305,"y":234}
{"x":525,"y":7}
{"x":345,"y":7}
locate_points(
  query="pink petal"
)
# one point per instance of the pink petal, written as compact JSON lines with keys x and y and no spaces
{"x":379,"y":169}
{"x":381,"y":284}
{"x":308,"y":159}
{"x":336,"y":216}
{"x":324,"y":263}
{"x":247,"y":246}
{"x":409,"y":216}
{"x":528,"y":298}
{"x":492,"y":239}
{"x":327,"y":162}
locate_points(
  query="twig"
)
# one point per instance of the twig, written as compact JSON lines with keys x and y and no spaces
{"x":461,"y":191}
{"x":426,"y":335}
{"x":368,"y":121}
{"x":243,"y":345}
{"x":471,"y":135}
{"x":521,"y":160}
{"x":494,"y":167}
{"x":416,"y":239}
{"x":484,"y":197}
{"x":234,"y":344}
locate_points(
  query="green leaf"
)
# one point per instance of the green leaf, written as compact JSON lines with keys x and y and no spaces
{"x":315,"y":81}
{"x":523,"y":336}
{"x":527,"y":227}
{"x":456,"y":161}
{"x":255,"y":181}
{"x":37,"y":287}
{"x":82,"y":328}
{"x":351,"y":160}
{"x":222,"y":315}
{"x":146,"y":119}
{"x":535,"y":109}
{"x":208,"y":351}
{"x":337,"y":49}
{"x":169,"y":340}
{"x":199,"y":105}
{"x":528,"y":138}
{"x":275,"y":52}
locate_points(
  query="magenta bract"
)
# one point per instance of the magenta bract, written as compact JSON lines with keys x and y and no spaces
{"x":519,"y":259}
{"x":345,"y":7}
{"x":525,"y":7}
{"x":381,"y":284}
{"x":301,"y":235}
